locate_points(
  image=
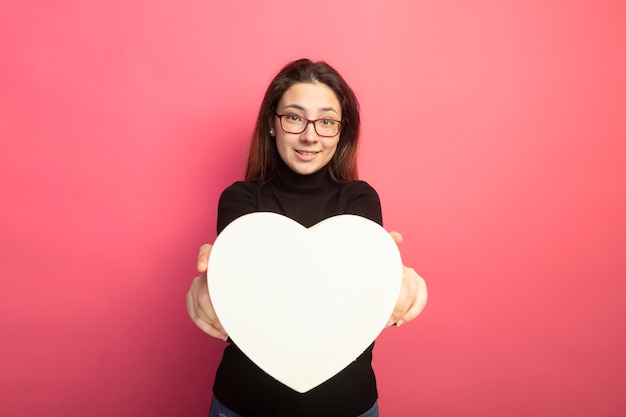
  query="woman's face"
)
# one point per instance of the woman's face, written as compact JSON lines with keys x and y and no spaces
{"x":307,"y":152}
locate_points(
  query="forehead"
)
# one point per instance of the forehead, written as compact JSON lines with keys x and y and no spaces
{"x":310,"y":96}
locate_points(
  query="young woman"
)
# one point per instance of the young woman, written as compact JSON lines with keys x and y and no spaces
{"x":302,"y":164}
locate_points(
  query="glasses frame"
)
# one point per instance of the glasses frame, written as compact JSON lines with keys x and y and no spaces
{"x":280,"y":118}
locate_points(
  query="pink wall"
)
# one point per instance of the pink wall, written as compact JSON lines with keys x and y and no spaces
{"x":494,"y":132}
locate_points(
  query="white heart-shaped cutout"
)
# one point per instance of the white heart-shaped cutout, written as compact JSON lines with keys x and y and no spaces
{"x":303,"y":303}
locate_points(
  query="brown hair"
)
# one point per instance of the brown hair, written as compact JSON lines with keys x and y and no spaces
{"x":261,"y":162}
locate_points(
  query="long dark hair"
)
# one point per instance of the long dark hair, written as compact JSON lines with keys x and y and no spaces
{"x":261,"y":163}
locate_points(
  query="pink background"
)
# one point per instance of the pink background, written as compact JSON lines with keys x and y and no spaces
{"x":494,"y":132}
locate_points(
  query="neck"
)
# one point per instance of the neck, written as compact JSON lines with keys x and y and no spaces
{"x":291,"y":181}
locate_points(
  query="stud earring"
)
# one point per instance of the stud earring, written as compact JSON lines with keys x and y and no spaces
{"x":272,"y":133}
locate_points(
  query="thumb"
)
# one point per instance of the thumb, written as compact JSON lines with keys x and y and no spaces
{"x":203,"y":257}
{"x":396,"y":236}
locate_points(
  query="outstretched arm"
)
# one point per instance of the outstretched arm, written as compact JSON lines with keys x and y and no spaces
{"x":199,"y":304}
{"x":413,"y":294}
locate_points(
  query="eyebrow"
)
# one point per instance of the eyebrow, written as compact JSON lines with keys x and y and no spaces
{"x":299,"y":107}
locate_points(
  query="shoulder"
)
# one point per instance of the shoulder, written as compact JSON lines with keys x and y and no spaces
{"x":240,"y":186}
{"x":362,"y":199}
{"x":238,"y":191}
{"x":235,"y":201}
{"x":359,"y":188}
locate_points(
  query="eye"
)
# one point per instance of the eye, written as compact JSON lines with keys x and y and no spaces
{"x":329,"y":122}
{"x":293,"y":118}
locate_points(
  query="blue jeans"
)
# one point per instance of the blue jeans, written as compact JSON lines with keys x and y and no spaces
{"x":219,"y":410}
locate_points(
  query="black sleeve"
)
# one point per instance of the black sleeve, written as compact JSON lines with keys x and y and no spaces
{"x":235,"y":201}
{"x":363,"y":200}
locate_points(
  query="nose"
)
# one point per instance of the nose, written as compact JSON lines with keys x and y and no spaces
{"x":309,"y":134}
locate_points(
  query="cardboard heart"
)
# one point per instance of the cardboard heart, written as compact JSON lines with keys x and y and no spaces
{"x":302,"y":303}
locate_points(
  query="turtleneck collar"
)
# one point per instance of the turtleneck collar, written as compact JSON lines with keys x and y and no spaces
{"x":288,"y":180}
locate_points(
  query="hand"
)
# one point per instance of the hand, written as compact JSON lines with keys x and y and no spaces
{"x":199,"y":304}
{"x":413,"y":293}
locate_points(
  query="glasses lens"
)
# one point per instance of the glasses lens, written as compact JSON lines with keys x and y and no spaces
{"x":327,"y":127}
{"x":293,"y":123}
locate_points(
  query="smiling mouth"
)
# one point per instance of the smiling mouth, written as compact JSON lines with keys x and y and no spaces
{"x":307,"y":153}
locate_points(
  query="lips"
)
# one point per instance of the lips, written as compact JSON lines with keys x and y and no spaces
{"x":306,"y":156}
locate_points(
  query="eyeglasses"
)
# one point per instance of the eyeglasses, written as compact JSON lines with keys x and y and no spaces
{"x":292,"y":123}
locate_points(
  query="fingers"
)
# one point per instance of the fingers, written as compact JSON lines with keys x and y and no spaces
{"x":418,"y":304}
{"x":199,"y":306}
{"x":201,"y":323}
{"x":203,"y":257}
{"x":200,"y":309}
{"x":405,"y":299}
{"x":412,"y":299}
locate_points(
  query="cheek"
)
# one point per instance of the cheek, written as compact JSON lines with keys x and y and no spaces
{"x":332,"y":149}
{"x":280,"y":140}
{"x":283,"y":144}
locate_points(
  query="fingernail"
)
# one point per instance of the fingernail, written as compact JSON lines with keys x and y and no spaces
{"x":400,"y":323}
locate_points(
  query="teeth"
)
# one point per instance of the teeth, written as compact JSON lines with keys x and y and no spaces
{"x":306,"y":152}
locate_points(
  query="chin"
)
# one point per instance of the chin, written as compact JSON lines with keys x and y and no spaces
{"x":305,"y":170}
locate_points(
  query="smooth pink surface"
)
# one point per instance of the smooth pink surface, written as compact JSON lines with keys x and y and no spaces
{"x":494,"y":132}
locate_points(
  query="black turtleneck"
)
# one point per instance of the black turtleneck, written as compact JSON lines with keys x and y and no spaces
{"x":308,"y":199}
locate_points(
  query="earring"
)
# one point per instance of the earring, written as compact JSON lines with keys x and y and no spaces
{"x":272,"y":133}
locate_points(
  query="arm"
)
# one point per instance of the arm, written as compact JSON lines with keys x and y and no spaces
{"x":235,"y":201}
{"x":413,"y":292}
{"x":199,"y":306}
